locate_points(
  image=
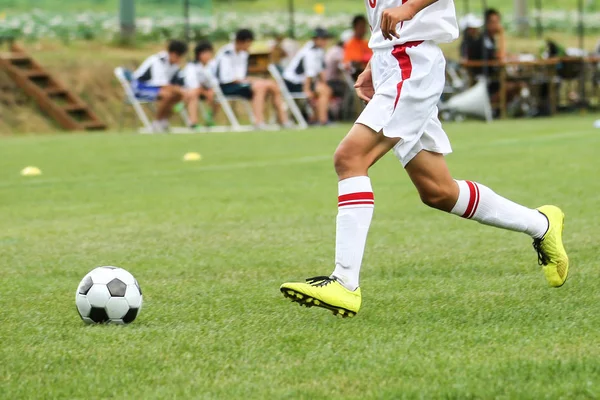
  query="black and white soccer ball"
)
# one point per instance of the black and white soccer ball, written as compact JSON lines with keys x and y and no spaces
{"x":108,"y":295}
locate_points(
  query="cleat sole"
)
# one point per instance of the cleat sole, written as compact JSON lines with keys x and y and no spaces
{"x":309,"y":302}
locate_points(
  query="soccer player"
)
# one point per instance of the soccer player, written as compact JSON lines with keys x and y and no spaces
{"x":231,"y":69}
{"x":155,"y":80}
{"x":305,"y":73}
{"x":402,"y":85}
{"x":199,"y":82}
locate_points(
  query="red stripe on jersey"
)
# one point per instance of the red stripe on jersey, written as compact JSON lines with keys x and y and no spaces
{"x":478,"y":197}
{"x":472,"y":194}
{"x":400,"y":54}
{"x":356,"y":196}
{"x":356,"y":203}
{"x":373,"y":3}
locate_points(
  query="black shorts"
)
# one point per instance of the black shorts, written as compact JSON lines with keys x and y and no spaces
{"x":298,"y":87}
{"x":237,"y":89}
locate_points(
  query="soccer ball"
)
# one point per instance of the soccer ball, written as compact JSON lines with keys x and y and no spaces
{"x":108,"y":295}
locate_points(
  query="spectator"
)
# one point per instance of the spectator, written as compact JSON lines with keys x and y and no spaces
{"x":156,"y":78}
{"x":231,"y":70}
{"x":305,"y":73}
{"x":334,"y":62}
{"x":278,"y":53}
{"x":197,"y":80}
{"x":356,"y":50}
{"x":491,"y":45}
{"x":470,"y":25}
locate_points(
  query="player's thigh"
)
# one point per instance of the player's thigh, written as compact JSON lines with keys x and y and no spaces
{"x":361,"y":148}
{"x":430,"y":174}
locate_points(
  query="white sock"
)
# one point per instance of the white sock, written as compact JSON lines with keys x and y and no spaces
{"x":355,"y":211}
{"x":481,"y":204}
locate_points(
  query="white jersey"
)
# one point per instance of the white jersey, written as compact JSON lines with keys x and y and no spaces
{"x":436,"y":23}
{"x":230,"y":66}
{"x":196,"y":75}
{"x":157,"y":70}
{"x":309,"y":62}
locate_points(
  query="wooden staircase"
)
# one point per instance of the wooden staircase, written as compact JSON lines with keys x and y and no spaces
{"x":68,"y":109}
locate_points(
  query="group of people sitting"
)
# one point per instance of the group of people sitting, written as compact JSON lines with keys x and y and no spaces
{"x":315,"y":70}
{"x":166,"y":78}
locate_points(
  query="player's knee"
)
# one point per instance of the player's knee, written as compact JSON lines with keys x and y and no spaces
{"x":346,"y":161}
{"x":436,"y":196}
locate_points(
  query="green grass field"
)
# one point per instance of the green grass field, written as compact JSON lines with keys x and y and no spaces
{"x":451,"y":309}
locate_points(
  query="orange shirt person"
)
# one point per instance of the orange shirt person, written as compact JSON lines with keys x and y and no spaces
{"x":356,"y":50}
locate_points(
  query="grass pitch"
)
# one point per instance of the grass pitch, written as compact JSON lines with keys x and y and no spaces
{"x":451,"y":309}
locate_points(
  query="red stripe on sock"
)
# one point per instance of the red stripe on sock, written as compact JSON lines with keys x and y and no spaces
{"x":478,"y":197}
{"x":356,"y":196}
{"x":356,"y":203}
{"x":472,"y":194}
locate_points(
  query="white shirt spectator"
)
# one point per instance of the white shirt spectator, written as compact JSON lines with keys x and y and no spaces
{"x":197,"y":75}
{"x":309,"y":62}
{"x":157,"y":70}
{"x":230,"y":66}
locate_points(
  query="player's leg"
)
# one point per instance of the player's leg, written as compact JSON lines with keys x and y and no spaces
{"x":167,"y":98}
{"x":430,"y":175}
{"x":192,"y":98}
{"x":259,"y":94}
{"x":324,"y":94}
{"x":359,"y":150}
{"x":277,"y":100}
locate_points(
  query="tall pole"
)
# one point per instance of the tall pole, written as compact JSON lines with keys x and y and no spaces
{"x":581,"y":31}
{"x":127,"y":19}
{"x":538,"y":21}
{"x":186,"y":16}
{"x":521,"y":17}
{"x":292,"y":32}
{"x":581,"y":27}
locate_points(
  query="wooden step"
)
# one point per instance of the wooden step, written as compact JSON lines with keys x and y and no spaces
{"x":64,"y":106}
{"x":55,"y":91}
{"x":74,"y":107}
{"x":15,"y":57}
{"x":94,"y":126}
{"x":36,"y":74}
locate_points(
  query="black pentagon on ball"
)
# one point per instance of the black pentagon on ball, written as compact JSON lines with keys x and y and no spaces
{"x":131,"y":315}
{"x":86,"y":285}
{"x":98,"y":315}
{"x":138,"y":286}
{"x":116,"y":288}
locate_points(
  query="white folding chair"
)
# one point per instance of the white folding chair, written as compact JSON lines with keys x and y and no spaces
{"x":225,"y":103}
{"x":124,"y":76}
{"x":288,"y":97}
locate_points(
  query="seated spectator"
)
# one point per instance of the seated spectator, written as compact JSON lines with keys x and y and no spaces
{"x":470,"y":25}
{"x":305,"y":73}
{"x":156,"y":78}
{"x":491,"y":45}
{"x":356,"y":50}
{"x":231,"y":70}
{"x":278,"y":53}
{"x":334,"y":62}
{"x":198,"y":81}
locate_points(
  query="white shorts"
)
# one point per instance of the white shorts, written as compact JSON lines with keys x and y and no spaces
{"x":409,"y":80}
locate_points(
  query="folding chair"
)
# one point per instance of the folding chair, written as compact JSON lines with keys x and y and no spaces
{"x":224,"y":102}
{"x":288,"y":97}
{"x":125,"y":77}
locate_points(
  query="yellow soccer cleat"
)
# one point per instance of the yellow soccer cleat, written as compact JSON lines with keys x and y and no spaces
{"x":551,"y":252}
{"x":324,"y":292}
